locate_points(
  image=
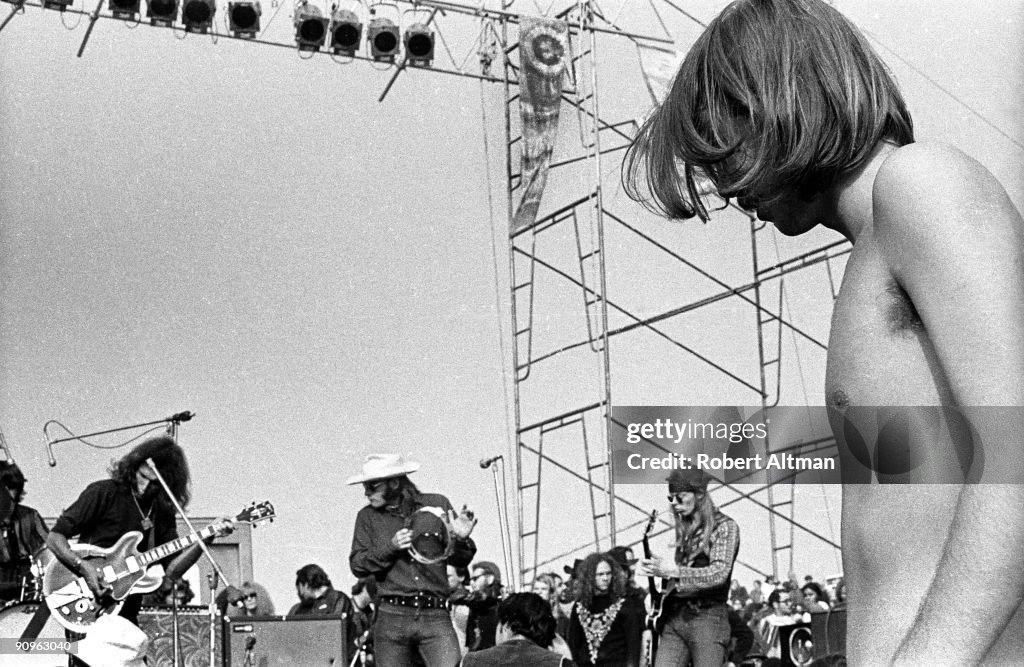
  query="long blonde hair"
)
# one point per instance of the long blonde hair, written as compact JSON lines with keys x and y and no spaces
{"x":687,"y":546}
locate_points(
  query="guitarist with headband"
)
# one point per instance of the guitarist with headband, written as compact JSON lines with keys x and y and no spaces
{"x":132,"y":499}
{"x":695,"y":618}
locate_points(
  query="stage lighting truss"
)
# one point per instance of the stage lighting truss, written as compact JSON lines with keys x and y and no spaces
{"x":197,"y":15}
{"x":419,"y":45}
{"x":125,"y":10}
{"x":244,"y":19}
{"x":310,"y":27}
{"x":162,"y":12}
{"x":346,"y":32}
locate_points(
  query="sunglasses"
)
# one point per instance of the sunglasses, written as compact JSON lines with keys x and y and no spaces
{"x":371,"y":487}
{"x":675,"y":497}
{"x":250,"y":596}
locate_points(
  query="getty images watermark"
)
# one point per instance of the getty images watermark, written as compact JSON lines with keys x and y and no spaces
{"x":856,"y":445}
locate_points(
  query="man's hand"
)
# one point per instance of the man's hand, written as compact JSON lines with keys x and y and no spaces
{"x":233,"y":595}
{"x":461,"y":524}
{"x":655,"y":566}
{"x":402,"y":539}
{"x":221,"y":527}
{"x":94,"y":580}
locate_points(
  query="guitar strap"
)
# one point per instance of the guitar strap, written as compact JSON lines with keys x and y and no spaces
{"x":35,"y":625}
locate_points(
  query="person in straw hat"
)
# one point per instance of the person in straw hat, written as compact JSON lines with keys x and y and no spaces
{"x":405,"y":539}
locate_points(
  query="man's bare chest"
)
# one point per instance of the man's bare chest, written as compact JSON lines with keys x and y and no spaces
{"x":879,"y":350}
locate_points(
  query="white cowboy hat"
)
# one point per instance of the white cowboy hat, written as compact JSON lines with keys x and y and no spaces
{"x":383,"y":466}
{"x":113,"y":641}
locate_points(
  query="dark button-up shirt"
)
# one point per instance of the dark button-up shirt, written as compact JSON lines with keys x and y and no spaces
{"x":396,"y":572}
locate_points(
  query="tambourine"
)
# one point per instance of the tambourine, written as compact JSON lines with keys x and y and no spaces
{"x":431,"y":535}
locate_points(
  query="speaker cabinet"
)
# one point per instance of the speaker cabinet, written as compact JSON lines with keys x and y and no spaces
{"x":797,"y":644}
{"x":193,"y":637}
{"x":307,"y":641}
{"x":829,"y":628}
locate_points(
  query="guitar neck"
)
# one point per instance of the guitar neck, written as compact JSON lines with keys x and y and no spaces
{"x":174,"y":546}
{"x":652,"y":584}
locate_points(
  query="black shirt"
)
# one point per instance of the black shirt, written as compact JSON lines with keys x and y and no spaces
{"x":106,"y":510}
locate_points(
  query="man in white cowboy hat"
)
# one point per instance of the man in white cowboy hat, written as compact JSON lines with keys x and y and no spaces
{"x":392,"y":534}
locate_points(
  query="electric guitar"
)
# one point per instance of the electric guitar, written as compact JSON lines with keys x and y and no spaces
{"x":657,"y":597}
{"x":123,"y":569}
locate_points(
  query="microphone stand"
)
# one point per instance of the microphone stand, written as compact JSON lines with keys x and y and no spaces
{"x":360,"y":645}
{"x":503,"y":523}
{"x":212,"y":579}
{"x":172,"y":425}
{"x":175,"y":637}
{"x":206,"y":552}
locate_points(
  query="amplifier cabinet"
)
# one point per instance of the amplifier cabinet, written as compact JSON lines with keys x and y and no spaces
{"x":268,"y":641}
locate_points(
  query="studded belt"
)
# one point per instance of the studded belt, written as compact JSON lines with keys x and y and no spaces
{"x":415,"y":601}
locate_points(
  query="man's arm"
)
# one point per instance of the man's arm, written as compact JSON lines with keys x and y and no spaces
{"x":61,"y":549}
{"x":187,"y":558}
{"x":955,"y":244}
{"x":370,"y":554}
{"x":724,"y":544}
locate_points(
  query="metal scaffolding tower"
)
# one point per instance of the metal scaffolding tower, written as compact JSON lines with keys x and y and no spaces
{"x":564,"y":319}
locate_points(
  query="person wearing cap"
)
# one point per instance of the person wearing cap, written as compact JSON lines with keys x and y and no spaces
{"x":389,"y":542}
{"x":695,"y":614}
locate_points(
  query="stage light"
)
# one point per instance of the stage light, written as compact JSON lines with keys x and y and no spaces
{"x":346,"y":32}
{"x":310,"y":27}
{"x":162,"y":12}
{"x":383,"y":37}
{"x":197,"y":15}
{"x":124,"y":9}
{"x":419,"y":45}
{"x":244,"y":18}
{"x":59,"y":5}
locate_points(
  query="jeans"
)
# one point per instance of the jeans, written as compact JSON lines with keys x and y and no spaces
{"x":700,"y":635}
{"x":401,"y":632}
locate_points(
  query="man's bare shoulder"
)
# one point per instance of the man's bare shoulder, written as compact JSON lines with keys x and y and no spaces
{"x":930,"y":193}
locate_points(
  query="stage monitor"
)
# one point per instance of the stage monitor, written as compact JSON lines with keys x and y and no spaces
{"x":310,"y":641}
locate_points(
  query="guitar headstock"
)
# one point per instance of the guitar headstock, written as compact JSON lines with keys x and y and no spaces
{"x":256,"y":513}
{"x":651,"y":521}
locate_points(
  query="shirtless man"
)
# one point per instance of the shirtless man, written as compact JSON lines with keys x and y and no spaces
{"x":783,"y":106}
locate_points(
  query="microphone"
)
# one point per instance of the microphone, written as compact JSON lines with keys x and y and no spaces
{"x":49,"y":451}
{"x":180,"y":417}
{"x":486,"y":463}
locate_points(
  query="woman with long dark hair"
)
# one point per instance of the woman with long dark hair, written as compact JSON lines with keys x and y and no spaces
{"x":606,"y":624}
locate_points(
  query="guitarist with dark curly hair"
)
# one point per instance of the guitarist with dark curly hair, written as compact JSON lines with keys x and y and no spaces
{"x":132,"y":499}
